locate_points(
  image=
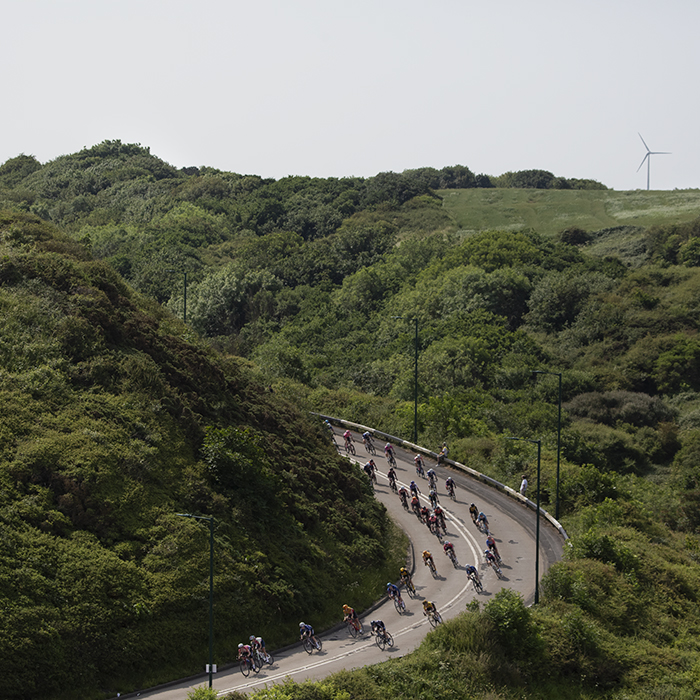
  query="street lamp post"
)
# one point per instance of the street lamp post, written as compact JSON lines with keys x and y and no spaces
{"x":415,"y":381}
{"x":556,"y":498}
{"x":537,"y":529}
{"x":211,"y":587}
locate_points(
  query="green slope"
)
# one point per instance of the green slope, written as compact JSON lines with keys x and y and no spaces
{"x":550,"y":211}
{"x":113,"y":419}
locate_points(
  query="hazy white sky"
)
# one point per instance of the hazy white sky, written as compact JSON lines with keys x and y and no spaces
{"x":329,"y":88}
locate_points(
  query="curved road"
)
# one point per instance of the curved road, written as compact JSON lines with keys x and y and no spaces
{"x":512,"y":525}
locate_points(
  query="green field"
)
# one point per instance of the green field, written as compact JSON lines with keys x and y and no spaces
{"x":550,"y":211}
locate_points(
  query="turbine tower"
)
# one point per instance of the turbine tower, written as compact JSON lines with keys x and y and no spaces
{"x":648,"y":156}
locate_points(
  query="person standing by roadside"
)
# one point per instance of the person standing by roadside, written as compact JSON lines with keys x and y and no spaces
{"x":523,"y":485}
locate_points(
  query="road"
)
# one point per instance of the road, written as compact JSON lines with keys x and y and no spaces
{"x":513,"y":526}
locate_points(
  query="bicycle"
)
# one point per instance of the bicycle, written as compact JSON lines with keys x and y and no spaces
{"x":478,"y":586}
{"x":350,"y":447}
{"x":384,"y":639}
{"x":391,"y":458}
{"x":496,"y":568}
{"x":433,"y":618}
{"x":354,"y":626}
{"x":419,"y":470}
{"x":451,"y":491}
{"x":369,"y":446}
{"x":404,"y":501}
{"x":309,"y":645}
{"x":453,"y":557}
{"x":416,"y":510}
{"x":394,"y":487}
{"x":410,"y":588}
{"x":399,"y":604}
{"x":247,"y":664}
{"x":432,"y":567}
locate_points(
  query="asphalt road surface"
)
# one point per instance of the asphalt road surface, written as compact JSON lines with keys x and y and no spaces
{"x":513,"y":526}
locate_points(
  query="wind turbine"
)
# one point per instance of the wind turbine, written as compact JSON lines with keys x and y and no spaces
{"x":647,"y":157}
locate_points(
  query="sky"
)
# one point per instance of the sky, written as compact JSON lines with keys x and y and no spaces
{"x":336,"y":89}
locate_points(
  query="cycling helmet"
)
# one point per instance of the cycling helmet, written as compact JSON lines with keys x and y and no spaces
{"x":346,"y":607}
{"x":486,"y":551}
{"x":251,"y":638}
{"x":240,"y":646}
{"x":388,"y":584}
{"x":301,"y":624}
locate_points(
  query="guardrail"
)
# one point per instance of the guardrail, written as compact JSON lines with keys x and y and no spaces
{"x":512,"y":493}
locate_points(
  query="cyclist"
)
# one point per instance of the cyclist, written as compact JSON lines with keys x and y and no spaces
{"x":327,"y":425}
{"x":392,"y":590}
{"x":405,"y":575}
{"x":474,"y":512}
{"x":257,"y":643}
{"x":433,"y":496}
{"x":391,"y":474}
{"x":490,"y":559}
{"x":413,"y":486}
{"x":427,"y":557}
{"x":429,"y":607}
{"x":472,"y":573}
{"x":378,"y":627}
{"x":366,"y":438}
{"x":433,"y":523}
{"x":245,"y":652}
{"x":307,"y":631}
{"x":482,"y":521}
{"x":450,"y":486}
{"x":491,"y":544}
{"x":440,"y":515}
{"x":403,"y":495}
{"x":415,"y":505}
{"x":369,"y":468}
{"x":431,"y":476}
{"x":443,"y":453}
{"x":449,"y":549}
{"x":350,"y":614}
{"x":348,"y":439}
{"x":419,"y":465}
{"x":425,"y":514}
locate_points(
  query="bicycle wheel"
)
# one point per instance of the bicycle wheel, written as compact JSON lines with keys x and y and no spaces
{"x":434,"y":619}
{"x":269,"y":659}
{"x":411,"y":589}
{"x":351,"y":629}
{"x":389,"y":640}
{"x":433,"y":568}
{"x":308,"y":645}
{"x":245,"y":668}
{"x":319,"y":645}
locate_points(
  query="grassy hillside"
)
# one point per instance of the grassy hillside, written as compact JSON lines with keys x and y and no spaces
{"x":550,"y":211}
{"x":115,"y":418}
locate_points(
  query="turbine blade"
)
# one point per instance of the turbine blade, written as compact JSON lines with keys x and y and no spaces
{"x":659,"y":153}
{"x":643,"y":159}
{"x":644,"y":142}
